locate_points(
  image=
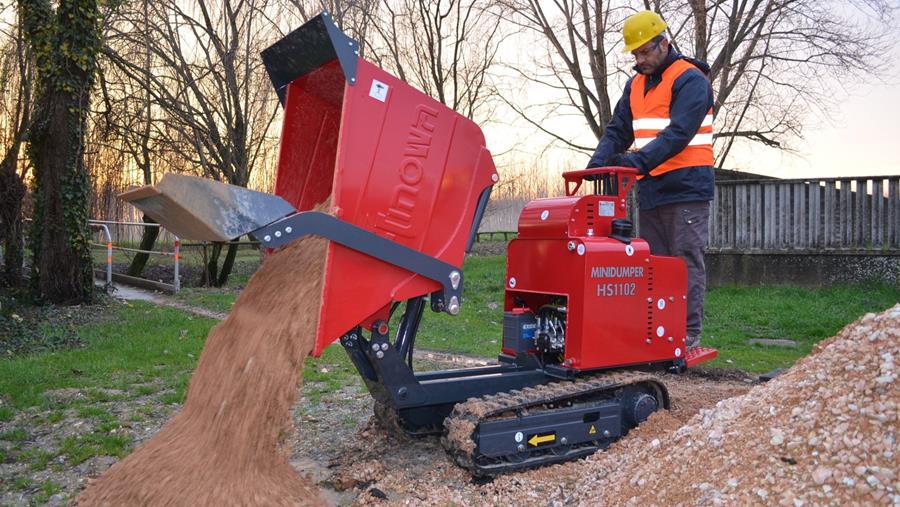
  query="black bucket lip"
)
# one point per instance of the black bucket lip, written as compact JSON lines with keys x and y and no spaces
{"x":308,"y":48}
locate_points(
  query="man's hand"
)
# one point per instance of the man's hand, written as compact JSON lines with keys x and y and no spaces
{"x":620,"y":160}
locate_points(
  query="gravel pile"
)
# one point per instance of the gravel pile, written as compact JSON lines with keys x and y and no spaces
{"x":823,"y":433}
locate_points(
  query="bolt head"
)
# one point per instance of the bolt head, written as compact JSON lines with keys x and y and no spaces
{"x":289,"y":229}
{"x":379,"y":354}
{"x":563,"y":440}
{"x":267,"y":238}
{"x":454,"y":279}
{"x":277,"y":234}
{"x":453,"y":307}
{"x":520,"y":447}
{"x":606,"y":433}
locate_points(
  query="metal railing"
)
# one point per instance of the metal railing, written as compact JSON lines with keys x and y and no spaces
{"x":109,"y":247}
{"x":175,"y":253}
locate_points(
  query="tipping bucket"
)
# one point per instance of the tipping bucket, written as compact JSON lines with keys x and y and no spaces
{"x":393,"y":160}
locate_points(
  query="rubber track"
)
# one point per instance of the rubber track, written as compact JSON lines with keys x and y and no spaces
{"x":474,"y":411}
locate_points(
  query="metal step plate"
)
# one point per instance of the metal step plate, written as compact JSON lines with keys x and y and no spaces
{"x":699,"y":355}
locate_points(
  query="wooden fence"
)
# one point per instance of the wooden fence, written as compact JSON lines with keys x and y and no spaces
{"x":813,"y":215}
{"x":860,"y":214}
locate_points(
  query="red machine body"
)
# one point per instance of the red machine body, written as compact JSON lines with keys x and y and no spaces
{"x":395,"y":162}
{"x":618,"y":305}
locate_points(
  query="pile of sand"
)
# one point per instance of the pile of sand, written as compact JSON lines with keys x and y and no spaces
{"x":223,"y":447}
{"x":823,"y":433}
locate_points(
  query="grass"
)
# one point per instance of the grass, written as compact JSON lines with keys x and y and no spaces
{"x":15,"y":435}
{"x":48,"y":489}
{"x":735,"y":315}
{"x":217,"y":300}
{"x":142,"y":343}
{"x":478,"y":327}
{"x":38,"y":459}
{"x":81,"y":448}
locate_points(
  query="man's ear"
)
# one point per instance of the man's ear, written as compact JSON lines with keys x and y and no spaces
{"x":664,"y":44}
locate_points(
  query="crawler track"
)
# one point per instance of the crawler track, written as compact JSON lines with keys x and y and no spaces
{"x":461,"y":426}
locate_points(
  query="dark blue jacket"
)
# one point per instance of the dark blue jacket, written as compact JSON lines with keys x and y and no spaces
{"x":692,"y":97}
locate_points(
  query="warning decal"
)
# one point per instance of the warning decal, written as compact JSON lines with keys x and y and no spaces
{"x":539,"y":439}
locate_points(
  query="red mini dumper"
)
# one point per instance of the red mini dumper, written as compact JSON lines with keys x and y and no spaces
{"x":590,"y":316}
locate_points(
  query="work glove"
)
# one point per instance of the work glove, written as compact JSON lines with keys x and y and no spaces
{"x":591,"y":165}
{"x":620,"y":160}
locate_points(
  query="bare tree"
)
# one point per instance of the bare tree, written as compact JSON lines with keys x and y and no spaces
{"x":772,"y":61}
{"x":16,"y":74}
{"x":206,"y":79}
{"x":124,"y":125}
{"x":446,"y":48}
{"x":571,"y":62}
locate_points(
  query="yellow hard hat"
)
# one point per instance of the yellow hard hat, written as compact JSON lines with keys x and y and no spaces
{"x":641,"y":28}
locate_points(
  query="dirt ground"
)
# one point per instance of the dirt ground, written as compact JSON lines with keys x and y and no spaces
{"x":364,"y":464}
{"x":336,"y":442}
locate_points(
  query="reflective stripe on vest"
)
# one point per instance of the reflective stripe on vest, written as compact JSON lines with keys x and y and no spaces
{"x":650,"y":115}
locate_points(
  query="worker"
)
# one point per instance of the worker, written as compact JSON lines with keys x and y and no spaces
{"x":666,"y":112}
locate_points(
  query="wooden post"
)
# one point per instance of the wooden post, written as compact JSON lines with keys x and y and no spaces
{"x":893,"y":211}
{"x":830,"y":214}
{"x":769,"y":207}
{"x":799,"y":218}
{"x":784,"y":206}
{"x":862,"y":214}
{"x":815,"y":212}
{"x":846,"y":213}
{"x":876,"y":228}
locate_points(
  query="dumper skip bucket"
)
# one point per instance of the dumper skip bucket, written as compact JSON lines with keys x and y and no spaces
{"x":391,"y":159}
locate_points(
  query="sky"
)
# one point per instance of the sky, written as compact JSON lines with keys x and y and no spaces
{"x":862,"y":138}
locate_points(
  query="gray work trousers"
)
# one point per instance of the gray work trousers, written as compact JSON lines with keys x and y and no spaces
{"x":682,"y":230}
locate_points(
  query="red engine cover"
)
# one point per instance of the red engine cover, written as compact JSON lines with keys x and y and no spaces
{"x":624,"y":306}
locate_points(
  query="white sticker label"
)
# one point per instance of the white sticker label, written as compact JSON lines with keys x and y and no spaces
{"x":378,"y":91}
{"x":607,"y":209}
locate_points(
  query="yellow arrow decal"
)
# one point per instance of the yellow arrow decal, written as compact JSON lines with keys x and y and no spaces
{"x":592,"y":431}
{"x":537,"y":440}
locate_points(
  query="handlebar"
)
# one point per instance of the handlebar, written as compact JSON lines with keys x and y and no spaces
{"x":606,"y":179}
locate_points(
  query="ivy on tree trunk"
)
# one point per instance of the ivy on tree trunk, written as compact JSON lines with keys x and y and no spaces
{"x":65,"y":41}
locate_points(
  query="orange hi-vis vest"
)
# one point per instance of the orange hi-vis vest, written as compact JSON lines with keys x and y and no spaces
{"x":650,"y":114}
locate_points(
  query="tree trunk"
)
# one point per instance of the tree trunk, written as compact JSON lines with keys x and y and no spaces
{"x":61,"y":272}
{"x":210,"y":274}
{"x":13,"y":192}
{"x":227,"y":264}
{"x":148,"y":240}
{"x":65,"y":38}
